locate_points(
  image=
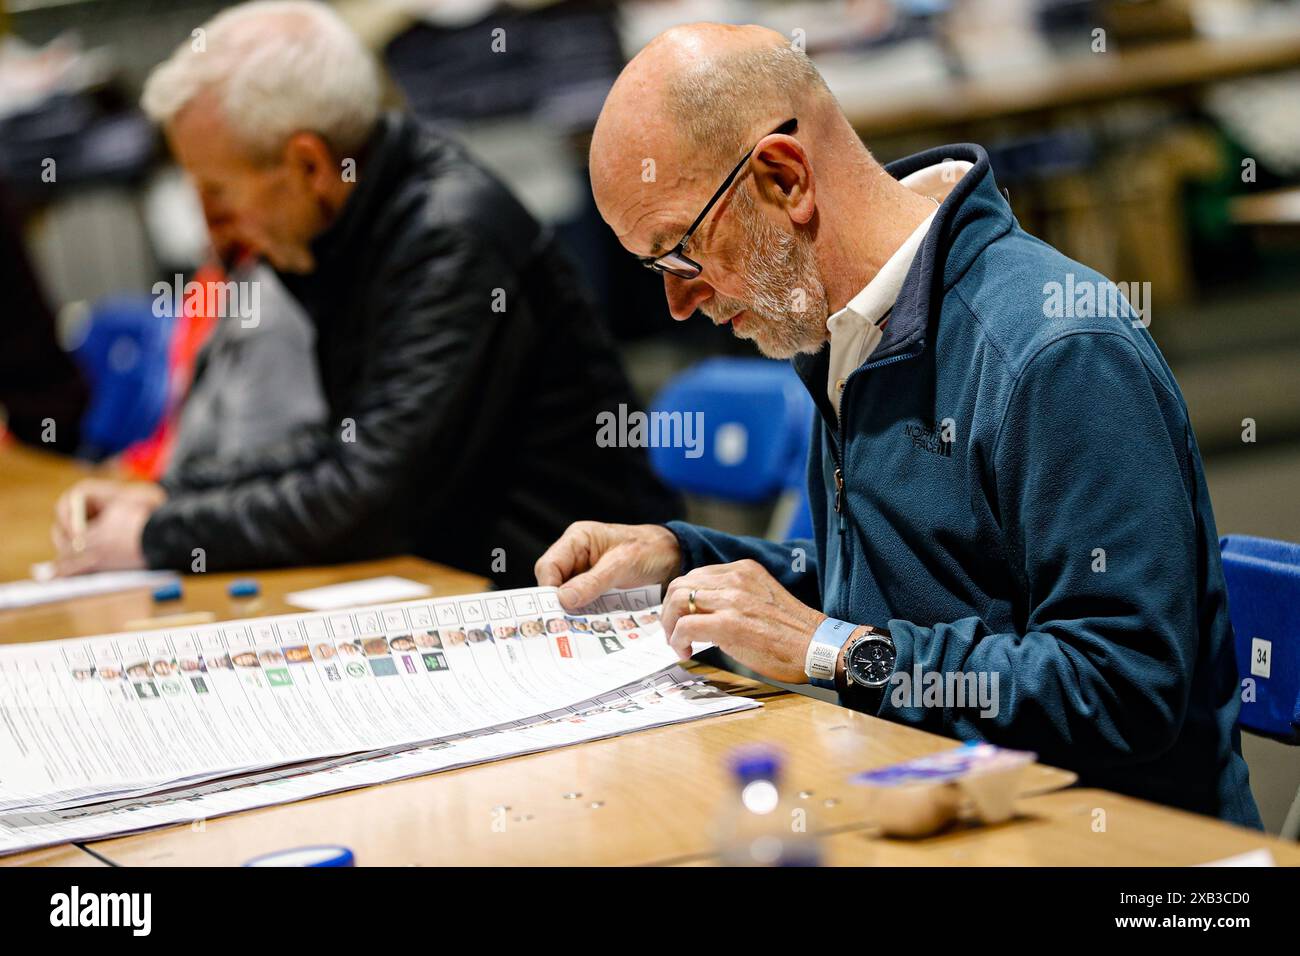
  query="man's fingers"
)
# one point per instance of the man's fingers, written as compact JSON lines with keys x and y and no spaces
{"x":66,"y":567}
{"x":70,"y":562}
{"x":60,"y":539}
{"x":568,"y":556}
{"x":706,"y":581}
{"x":63,"y":512}
{"x":608,"y":572}
{"x":689,"y":630}
{"x":89,"y":497}
{"x":82,"y":554}
{"x":555,"y":565}
{"x":674,"y":606}
{"x":706,"y":576}
{"x":677,"y":602}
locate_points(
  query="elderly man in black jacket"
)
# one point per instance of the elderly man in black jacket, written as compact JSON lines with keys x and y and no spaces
{"x":462,"y":365}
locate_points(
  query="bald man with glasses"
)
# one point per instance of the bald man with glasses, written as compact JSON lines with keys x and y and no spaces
{"x":1002,"y":496}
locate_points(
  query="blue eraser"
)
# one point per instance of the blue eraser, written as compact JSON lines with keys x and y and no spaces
{"x":307,"y":856}
{"x":168,"y":592}
{"x":244,"y":587}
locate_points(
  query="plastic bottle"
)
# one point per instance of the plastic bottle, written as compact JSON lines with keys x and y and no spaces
{"x":759,"y":825}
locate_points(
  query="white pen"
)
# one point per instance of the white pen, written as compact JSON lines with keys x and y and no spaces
{"x":78,"y":521}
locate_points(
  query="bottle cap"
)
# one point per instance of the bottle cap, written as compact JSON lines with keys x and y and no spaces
{"x":168,"y":592}
{"x":306,"y":856}
{"x":244,"y":587}
{"x":755,"y":763}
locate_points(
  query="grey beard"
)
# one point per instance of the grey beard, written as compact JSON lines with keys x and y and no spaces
{"x":785,"y":296}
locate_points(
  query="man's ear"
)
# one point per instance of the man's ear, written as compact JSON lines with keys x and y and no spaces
{"x":310,"y":160}
{"x":783,"y":175}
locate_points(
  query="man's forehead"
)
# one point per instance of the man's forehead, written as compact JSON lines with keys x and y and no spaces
{"x":653,"y":218}
{"x":198,"y":139}
{"x":653,"y":239}
{"x":665,"y":239}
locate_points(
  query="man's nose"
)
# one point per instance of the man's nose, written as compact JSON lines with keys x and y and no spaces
{"x":685,"y":295}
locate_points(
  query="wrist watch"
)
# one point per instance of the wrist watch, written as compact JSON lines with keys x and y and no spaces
{"x":869,"y":660}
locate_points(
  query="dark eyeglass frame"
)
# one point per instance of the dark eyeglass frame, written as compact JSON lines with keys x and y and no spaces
{"x":675,"y":261}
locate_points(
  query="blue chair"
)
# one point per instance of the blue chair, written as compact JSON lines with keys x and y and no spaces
{"x":1263,"y":579}
{"x":124,"y":357}
{"x":756,"y":425}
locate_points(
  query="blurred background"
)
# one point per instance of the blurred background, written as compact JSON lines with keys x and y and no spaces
{"x":1154,"y":140}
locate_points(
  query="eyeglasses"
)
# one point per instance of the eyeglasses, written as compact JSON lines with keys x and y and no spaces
{"x":675,"y":261}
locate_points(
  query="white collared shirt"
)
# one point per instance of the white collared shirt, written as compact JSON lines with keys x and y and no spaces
{"x":855,"y":329}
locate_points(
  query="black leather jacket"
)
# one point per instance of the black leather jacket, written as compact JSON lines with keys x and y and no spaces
{"x":463,"y":366}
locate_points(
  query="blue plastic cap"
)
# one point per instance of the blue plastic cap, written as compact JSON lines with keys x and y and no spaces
{"x":307,"y":856}
{"x":168,"y":592}
{"x":755,"y":763}
{"x":244,"y":587}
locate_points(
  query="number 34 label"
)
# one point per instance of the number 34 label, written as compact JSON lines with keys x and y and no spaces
{"x":1261,"y":657}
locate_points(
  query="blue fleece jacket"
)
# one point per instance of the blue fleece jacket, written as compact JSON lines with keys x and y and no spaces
{"x":1023,"y":496}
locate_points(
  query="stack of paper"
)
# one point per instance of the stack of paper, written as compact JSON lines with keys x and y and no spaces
{"x":107,"y":735}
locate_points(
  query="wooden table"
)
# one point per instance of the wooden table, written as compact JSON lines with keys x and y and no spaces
{"x":61,"y":856}
{"x":30,"y":483}
{"x":1064,"y":829}
{"x":650,"y":797}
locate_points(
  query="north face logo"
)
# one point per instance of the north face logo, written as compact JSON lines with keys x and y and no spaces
{"x":929,"y":439}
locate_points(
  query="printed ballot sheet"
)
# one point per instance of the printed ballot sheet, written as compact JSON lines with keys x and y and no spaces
{"x":668,"y":697}
{"x":116,"y":717}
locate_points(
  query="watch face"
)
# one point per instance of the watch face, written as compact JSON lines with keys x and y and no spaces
{"x":871,"y":662}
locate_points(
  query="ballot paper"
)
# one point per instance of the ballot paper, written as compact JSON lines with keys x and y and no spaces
{"x":666,"y":698}
{"x":125,"y":716}
{"x":17,"y":594}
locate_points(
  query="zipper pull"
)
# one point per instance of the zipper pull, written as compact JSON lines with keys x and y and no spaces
{"x":839,"y":496}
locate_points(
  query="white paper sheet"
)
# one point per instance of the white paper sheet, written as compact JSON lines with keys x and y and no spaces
{"x":122,"y":715}
{"x":356,"y":593}
{"x":17,"y":594}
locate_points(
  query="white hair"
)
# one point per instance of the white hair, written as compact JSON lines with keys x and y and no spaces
{"x":277,"y":67}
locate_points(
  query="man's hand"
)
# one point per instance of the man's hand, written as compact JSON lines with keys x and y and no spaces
{"x":591,"y":558}
{"x":745,"y":611}
{"x":115,"y":514}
